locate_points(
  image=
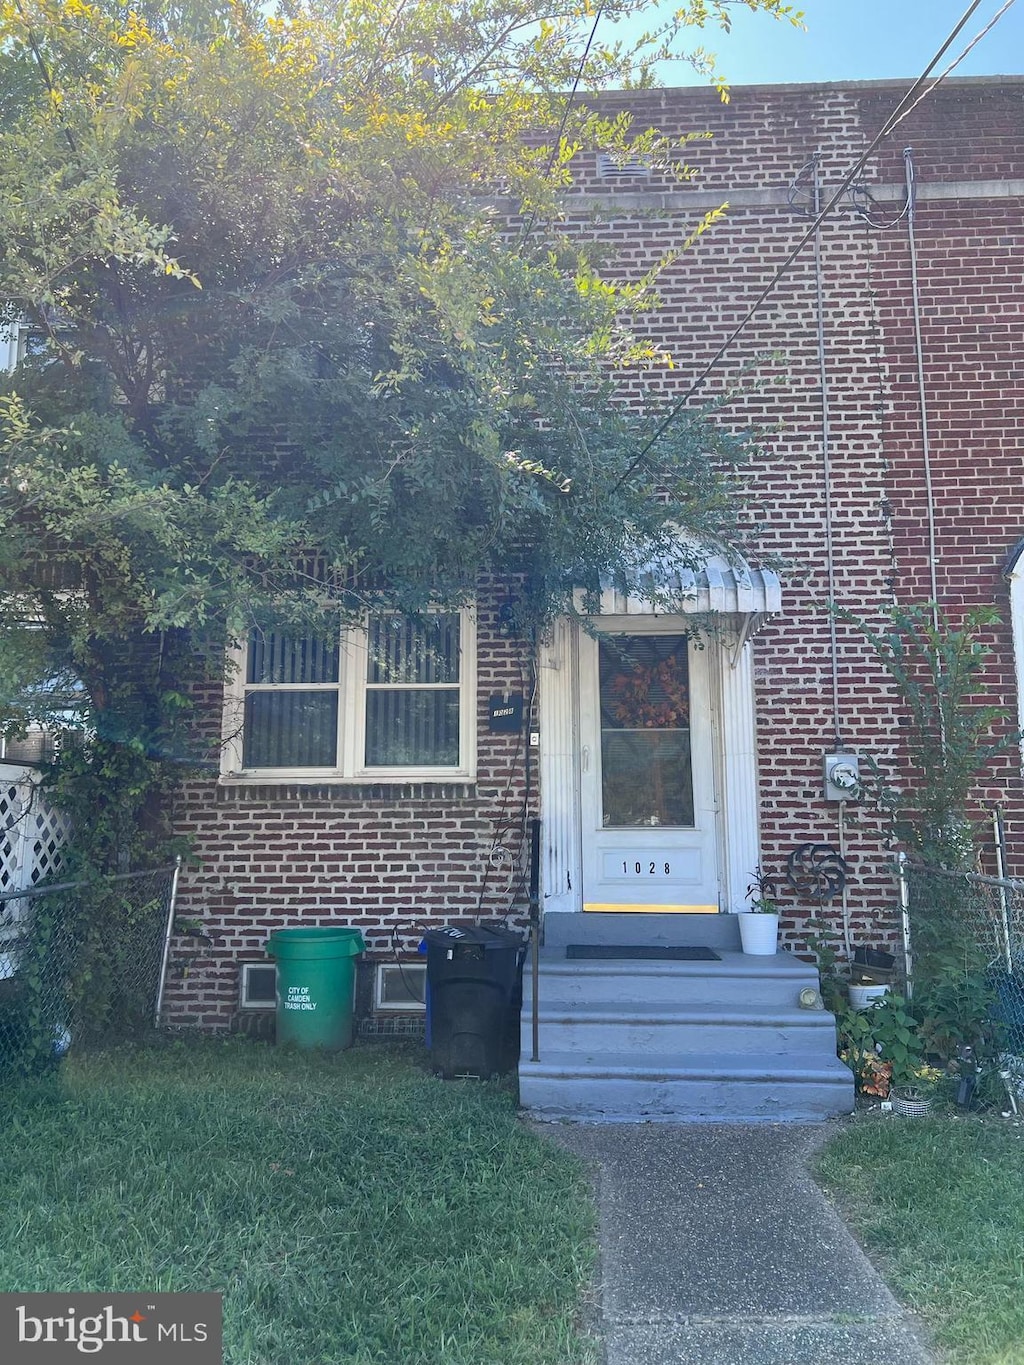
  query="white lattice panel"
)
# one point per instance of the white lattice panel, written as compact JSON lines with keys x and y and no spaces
{"x":32,"y":835}
{"x":48,"y":833}
{"x":11,"y":811}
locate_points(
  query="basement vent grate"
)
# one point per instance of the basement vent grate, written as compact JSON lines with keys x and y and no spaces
{"x":610,"y":168}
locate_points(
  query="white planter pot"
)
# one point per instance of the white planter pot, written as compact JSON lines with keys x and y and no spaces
{"x":863,"y":997}
{"x":759,"y":934}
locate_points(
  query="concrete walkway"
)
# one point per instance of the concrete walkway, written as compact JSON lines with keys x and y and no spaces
{"x":717,"y":1248}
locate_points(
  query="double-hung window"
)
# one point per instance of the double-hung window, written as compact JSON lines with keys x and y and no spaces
{"x":393,"y":699}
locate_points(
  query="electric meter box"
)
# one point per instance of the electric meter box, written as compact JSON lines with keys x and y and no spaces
{"x":842,"y":777}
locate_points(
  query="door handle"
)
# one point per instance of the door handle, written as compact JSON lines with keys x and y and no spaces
{"x":585,"y":758}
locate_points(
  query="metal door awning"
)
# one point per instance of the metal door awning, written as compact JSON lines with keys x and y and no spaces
{"x":717,"y":585}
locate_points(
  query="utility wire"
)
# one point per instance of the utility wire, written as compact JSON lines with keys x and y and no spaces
{"x":909,"y":100}
{"x":565,"y":116}
{"x":956,"y":62}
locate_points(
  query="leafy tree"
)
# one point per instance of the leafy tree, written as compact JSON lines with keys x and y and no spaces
{"x":297,"y":290}
{"x":954,"y":730}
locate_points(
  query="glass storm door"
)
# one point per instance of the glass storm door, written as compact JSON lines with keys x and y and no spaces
{"x":646,"y":781}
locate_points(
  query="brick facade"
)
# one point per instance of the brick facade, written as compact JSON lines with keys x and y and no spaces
{"x":389,"y":860}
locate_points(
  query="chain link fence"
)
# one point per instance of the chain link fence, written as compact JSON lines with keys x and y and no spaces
{"x":82,"y":962}
{"x":964,"y":937}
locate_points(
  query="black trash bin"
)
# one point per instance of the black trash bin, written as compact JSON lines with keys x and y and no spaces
{"x":474,"y":989}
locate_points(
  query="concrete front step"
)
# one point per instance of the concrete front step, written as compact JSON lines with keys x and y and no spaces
{"x":713,"y":1088}
{"x":736,"y":978}
{"x":629,"y":1040}
{"x":596,"y":1029}
{"x":712,"y":931}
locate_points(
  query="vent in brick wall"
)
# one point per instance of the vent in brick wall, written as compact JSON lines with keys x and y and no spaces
{"x":612,"y":168}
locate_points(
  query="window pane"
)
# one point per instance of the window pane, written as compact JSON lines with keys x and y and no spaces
{"x":645,"y":777}
{"x":645,"y":682}
{"x":291,"y":730}
{"x":645,"y":737}
{"x":411,"y":728}
{"x":403,"y":651}
{"x":291,"y":659}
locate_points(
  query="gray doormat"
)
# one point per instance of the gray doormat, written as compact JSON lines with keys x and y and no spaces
{"x":646,"y":951}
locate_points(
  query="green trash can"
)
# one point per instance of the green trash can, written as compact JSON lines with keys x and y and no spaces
{"x":316,"y":976}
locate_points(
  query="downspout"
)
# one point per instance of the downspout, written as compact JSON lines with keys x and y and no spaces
{"x":535,"y":937}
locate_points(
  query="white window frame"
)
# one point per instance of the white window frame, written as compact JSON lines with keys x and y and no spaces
{"x":15,"y":336}
{"x":245,"y":999}
{"x":11,"y":345}
{"x":383,"y":1006}
{"x":352,"y":688}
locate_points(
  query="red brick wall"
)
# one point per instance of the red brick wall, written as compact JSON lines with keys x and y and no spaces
{"x":380,"y":861}
{"x":970,"y":289}
{"x":971,"y":305}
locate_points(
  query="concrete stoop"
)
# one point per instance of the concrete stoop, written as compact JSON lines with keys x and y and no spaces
{"x":626,"y":1041}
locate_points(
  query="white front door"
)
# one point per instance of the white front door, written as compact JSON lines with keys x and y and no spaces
{"x":647,"y":783}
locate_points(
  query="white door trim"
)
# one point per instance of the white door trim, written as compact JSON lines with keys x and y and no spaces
{"x":561,"y":828}
{"x":732,"y":678}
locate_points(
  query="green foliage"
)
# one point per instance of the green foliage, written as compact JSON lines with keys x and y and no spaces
{"x":887,"y":1030}
{"x":954,"y":732}
{"x":825,"y":943}
{"x":956,"y":1004}
{"x":278,"y":314}
{"x":762,"y":892}
{"x":34,"y":1011}
{"x":952,"y":1023}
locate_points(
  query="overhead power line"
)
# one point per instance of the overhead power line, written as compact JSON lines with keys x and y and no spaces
{"x":565,"y":115}
{"x":957,"y":60}
{"x":910,"y":99}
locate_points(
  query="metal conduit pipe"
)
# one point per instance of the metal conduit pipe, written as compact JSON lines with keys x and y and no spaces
{"x":908,"y":166}
{"x":826,"y":455}
{"x":830,"y":561}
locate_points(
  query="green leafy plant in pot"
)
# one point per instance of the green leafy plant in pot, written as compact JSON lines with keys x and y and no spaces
{"x":759,"y":925}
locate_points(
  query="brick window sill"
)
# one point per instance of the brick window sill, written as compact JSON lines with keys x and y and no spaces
{"x":342,"y":793}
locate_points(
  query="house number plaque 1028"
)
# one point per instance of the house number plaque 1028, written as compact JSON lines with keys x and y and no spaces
{"x":680,"y":866}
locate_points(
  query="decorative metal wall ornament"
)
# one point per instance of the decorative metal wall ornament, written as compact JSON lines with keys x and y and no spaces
{"x":816,"y":872}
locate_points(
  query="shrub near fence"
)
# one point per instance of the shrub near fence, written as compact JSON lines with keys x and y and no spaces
{"x":82,"y":962}
{"x":967,"y":954}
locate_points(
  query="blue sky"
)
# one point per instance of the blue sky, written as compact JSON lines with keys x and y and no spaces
{"x":854,"y":40}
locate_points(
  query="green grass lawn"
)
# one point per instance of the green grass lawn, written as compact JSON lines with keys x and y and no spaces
{"x":350,"y":1209}
{"x":940,"y":1204}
